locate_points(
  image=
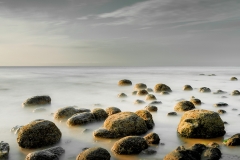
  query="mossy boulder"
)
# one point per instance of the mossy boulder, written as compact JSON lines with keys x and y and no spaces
{"x":99,"y":114}
{"x":152,"y":138}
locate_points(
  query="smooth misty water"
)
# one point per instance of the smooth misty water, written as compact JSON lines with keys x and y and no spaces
{"x":86,"y":86}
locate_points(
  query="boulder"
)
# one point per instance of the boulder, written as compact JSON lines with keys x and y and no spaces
{"x":147,"y":116}
{"x":234,"y":140}
{"x":104,"y":133}
{"x":67,"y":112}
{"x":235,"y":93}
{"x":140,"y":86}
{"x":211,"y":154}
{"x":148,"y":151}
{"x":181,"y":153}
{"x":184,"y":106}
{"x":38,"y":133}
{"x":95,"y":153}
{"x":221,"y":104}
{"x":204,"y":90}
{"x":196,"y":101}
{"x":37,"y":100}
{"x":112,"y":110}
{"x":4,"y":150}
{"x":124,"y":82}
{"x":150,"y":97}
{"x":138,"y":101}
{"x":122,"y":95}
{"x":187,"y":88}
{"x":152,"y":138}
{"x":46,"y":154}
{"x":201,"y":124}
{"x":151,"y":108}
{"x":130,"y":145}
{"x":142,"y":92}
{"x":220,"y":111}
{"x":233,"y":79}
{"x":161,"y":88}
{"x":81,"y":119}
{"x":99,"y":114}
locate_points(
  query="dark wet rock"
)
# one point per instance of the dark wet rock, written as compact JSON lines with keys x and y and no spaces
{"x":219,"y":92}
{"x":182,"y":154}
{"x":198,"y":147}
{"x":162,"y":88}
{"x":67,"y":112}
{"x":38,"y":133}
{"x":140,"y":86}
{"x":214,"y":145}
{"x":39,"y":109}
{"x":46,"y":154}
{"x":155,"y":102}
{"x":150,"y":97}
{"x":204,"y":90}
{"x":37,"y":100}
{"x":99,"y":114}
{"x":147,"y":117}
{"x":212,"y":75}
{"x":4,"y":150}
{"x":151,"y":108}
{"x":16,"y":129}
{"x":95,"y":153}
{"x":142,"y":92}
{"x":234,"y":109}
{"x":233,"y":79}
{"x":211,"y":154}
{"x":221,"y":111}
{"x":134,"y":92}
{"x":112,"y":110}
{"x":121,"y":124}
{"x":221,"y":104}
{"x":187,"y":88}
{"x":130,"y":145}
{"x":201,"y":124}
{"x":124,"y":82}
{"x":235,"y":93}
{"x":81,"y":119}
{"x":184,"y":106}
{"x":122,"y":95}
{"x":164,"y":93}
{"x":196,"y":101}
{"x":138,"y":101}
{"x":149,"y":151}
{"x":149,"y":89}
{"x":234,"y":140}
{"x":152,"y":138}
{"x":172,"y":114}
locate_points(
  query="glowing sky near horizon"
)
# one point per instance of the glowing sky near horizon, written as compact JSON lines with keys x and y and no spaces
{"x":119,"y":33}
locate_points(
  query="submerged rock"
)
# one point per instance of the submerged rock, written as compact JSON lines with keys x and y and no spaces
{"x":161,"y":88}
{"x":81,"y":119}
{"x":219,"y":92}
{"x":164,"y":93}
{"x":140,"y":86}
{"x":221,"y":111}
{"x":138,"y":101}
{"x":134,"y":92}
{"x":172,"y":114}
{"x":38,"y":133}
{"x":149,"y":89}
{"x":212,"y":153}
{"x":124,"y":82}
{"x":16,"y":129}
{"x":95,"y":153}
{"x":39,"y":109}
{"x":204,"y":90}
{"x":187,"y":88}
{"x":67,"y":112}
{"x":37,"y":100}
{"x":4,"y":150}
{"x":184,"y":106}
{"x":196,"y":101}
{"x":181,"y":153}
{"x":112,"y":110}
{"x":155,"y":102}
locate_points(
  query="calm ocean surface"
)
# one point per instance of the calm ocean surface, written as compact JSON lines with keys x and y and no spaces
{"x":87,"y":86}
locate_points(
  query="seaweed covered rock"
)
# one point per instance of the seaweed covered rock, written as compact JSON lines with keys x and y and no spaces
{"x":150,"y":97}
{"x":99,"y":114}
{"x":147,"y":116}
{"x":66,"y":112}
{"x":95,"y":153}
{"x":4,"y":150}
{"x":201,"y":124}
{"x":38,"y":133}
{"x":161,"y":88}
{"x":130,"y":145}
{"x":46,"y":154}
{"x":124,"y":82}
{"x":187,"y":88}
{"x":234,"y":140}
{"x":142,"y":92}
{"x":37,"y":100}
{"x":152,"y":138}
{"x":204,"y":90}
{"x":81,"y":119}
{"x":140,"y":86}
{"x":112,"y":110}
{"x":184,"y":106}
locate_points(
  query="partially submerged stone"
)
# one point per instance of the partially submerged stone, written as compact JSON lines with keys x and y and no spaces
{"x":39,"y":109}
{"x":95,"y":153}
{"x":37,"y":100}
{"x":187,"y":88}
{"x":219,"y":92}
{"x":134,"y":92}
{"x":172,"y":114}
{"x":184,"y":106}
{"x":81,"y":119}
{"x":235,"y":93}
{"x":149,"y":89}
{"x":124,"y":82}
{"x":221,"y":111}
{"x":138,"y":101}
{"x":122,"y":95}
{"x":67,"y":112}
{"x":99,"y":114}
{"x":142,"y":92}
{"x":221,"y":104}
{"x":151,"y":108}
{"x":150,"y":97}
{"x":164,"y":93}
{"x":196,"y":101}
{"x":4,"y":150}
{"x":112,"y":110}
{"x":152,"y":138}
{"x":140,"y":86}
{"x":161,"y":88}
{"x":155,"y":102}
{"x":147,"y":117}
{"x":181,"y":153}
{"x":234,"y":140}
{"x":204,"y":90}
{"x":233,"y":79}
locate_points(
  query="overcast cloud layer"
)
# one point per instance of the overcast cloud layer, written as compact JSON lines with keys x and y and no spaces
{"x":120,"y":33}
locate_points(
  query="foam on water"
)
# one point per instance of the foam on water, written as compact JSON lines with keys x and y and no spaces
{"x":86,"y":86}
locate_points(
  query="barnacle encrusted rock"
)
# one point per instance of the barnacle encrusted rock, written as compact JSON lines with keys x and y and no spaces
{"x":147,"y":116}
{"x":38,"y":133}
{"x":201,"y":124}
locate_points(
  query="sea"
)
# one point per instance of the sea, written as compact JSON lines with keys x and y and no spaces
{"x":97,"y":87}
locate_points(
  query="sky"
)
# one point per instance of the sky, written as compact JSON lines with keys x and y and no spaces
{"x":119,"y":32}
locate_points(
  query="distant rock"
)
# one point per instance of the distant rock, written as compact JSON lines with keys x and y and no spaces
{"x":124,"y":82}
{"x":235,"y":93}
{"x":155,"y":102}
{"x":122,"y":95}
{"x":37,"y":100}
{"x":142,"y":92}
{"x":184,"y":106}
{"x":161,"y":88}
{"x":196,"y":101}
{"x":4,"y":150}
{"x":233,"y":79}
{"x":221,"y":104}
{"x":140,"y":86}
{"x":151,"y":108}
{"x":204,"y":90}
{"x":39,"y":109}
{"x":112,"y":110}
{"x":187,"y":88}
{"x":150,"y":97}
{"x":134,"y":93}
{"x":95,"y":153}
{"x":182,"y":154}
{"x":164,"y":93}
{"x":172,"y":114}
{"x":138,"y":101}
{"x":221,"y":111}
{"x":67,"y":112}
{"x":152,"y":138}
{"x":219,"y":92}
{"x":149,"y":89}
{"x":81,"y":119}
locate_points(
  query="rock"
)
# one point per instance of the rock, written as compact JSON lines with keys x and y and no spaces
{"x":198,"y":147}
{"x":140,"y":86}
{"x":161,"y":88}
{"x":95,"y":153}
{"x":187,"y":88}
{"x":224,"y":97}
{"x":172,"y":114}
{"x":234,"y":109}
{"x":121,"y":124}
{"x":214,"y":145}
{"x":151,"y":108}
{"x":233,"y":79}
{"x":149,"y":151}
{"x":201,"y":74}
{"x":201,"y":124}
{"x":149,"y":89}
{"x":204,"y":90}
{"x":219,"y":92}
{"x":164,"y":93}
{"x":196,"y":101}
{"x":122,"y":95}
{"x":138,"y":101}
{"x":155,"y":102}
{"x":152,"y":138}
{"x":4,"y":150}
{"x":81,"y":119}
{"x":134,"y":92}
{"x":142,"y":92}
{"x":38,"y":133}
{"x":221,"y":104}
{"x":184,"y":106}
{"x":130,"y":145}
{"x":104,"y":133}
{"x":225,"y":122}
{"x":112,"y":110}
{"x":37,"y":100}
{"x":220,"y":111}
{"x":150,"y":97}
{"x":124,"y":82}
{"x":99,"y":114}
{"x":235,"y":93}
{"x":67,"y":112}
{"x":211,"y":154}
{"x":211,"y":75}
{"x":234,"y":140}
{"x":182,"y":154}
{"x":39,"y":109}
{"x":147,"y":117}
{"x":46,"y":154}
